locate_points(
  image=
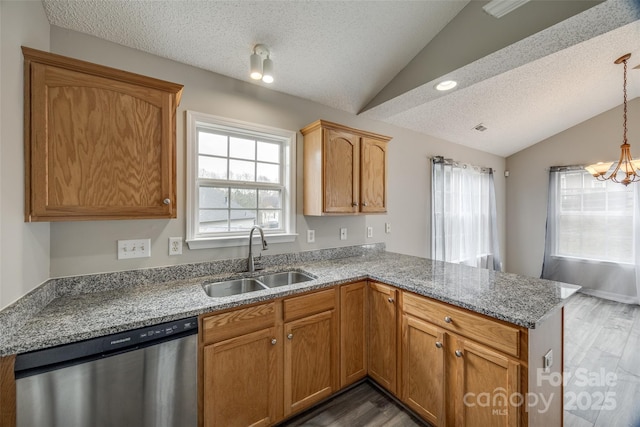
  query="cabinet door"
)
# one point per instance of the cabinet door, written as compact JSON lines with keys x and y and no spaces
{"x":423,"y":382}
{"x":353,"y":333}
{"x":373,"y":175}
{"x":486,"y":382}
{"x":310,"y":360}
{"x":98,"y":147}
{"x":240,"y":381}
{"x":341,"y":172}
{"x":382,"y":335}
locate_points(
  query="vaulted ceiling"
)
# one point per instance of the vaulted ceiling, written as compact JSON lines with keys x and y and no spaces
{"x":535,"y":72}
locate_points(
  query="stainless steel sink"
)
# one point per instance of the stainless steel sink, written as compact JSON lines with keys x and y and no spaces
{"x":285,"y":278}
{"x":266,"y":281}
{"x":232,"y":287}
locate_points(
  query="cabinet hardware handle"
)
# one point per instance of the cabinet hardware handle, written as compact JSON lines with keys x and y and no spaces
{"x":364,"y":204}
{"x":438,"y":344}
{"x":274,"y":341}
{"x":290,"y":336}
{"x":448,"y":319}
{"x":354,"y":204}
{"x":166,"y":201}
{"x":391,"y":300}
{"x":458,"y":353}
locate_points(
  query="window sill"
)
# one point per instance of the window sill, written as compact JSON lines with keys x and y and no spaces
{"x":591,"y":261}
{"x":234,"y":241}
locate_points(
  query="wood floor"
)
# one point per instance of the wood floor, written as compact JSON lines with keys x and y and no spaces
{"x":362,"y":406}
{"x":602,"y":363}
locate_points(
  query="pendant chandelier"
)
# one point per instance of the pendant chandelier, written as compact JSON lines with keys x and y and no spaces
{"x":626,"y":170}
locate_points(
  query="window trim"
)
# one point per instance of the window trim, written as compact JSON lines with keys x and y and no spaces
{"x":196,"y":119}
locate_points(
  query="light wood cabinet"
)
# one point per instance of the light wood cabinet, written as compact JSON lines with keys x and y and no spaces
{"x":423,"y":374}
{"x":241,"y":355}
{"x":100,"y":143}
{"x":311,"y":362}
{"x":382,"y":335}
{"x":437,"y":361}
{"x":353,"y":333}
{"x":345,"y":170}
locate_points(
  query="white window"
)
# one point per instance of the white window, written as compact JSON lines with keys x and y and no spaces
{"x":594,"y":219}
{"x":239,"y":175}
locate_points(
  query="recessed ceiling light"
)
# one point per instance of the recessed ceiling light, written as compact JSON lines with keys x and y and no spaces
{"x":446,"y":85}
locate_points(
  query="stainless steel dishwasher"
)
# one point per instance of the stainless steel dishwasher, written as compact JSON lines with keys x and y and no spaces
{"x":140,"y":378}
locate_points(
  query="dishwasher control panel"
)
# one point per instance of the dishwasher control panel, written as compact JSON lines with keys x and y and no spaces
{"x":150,"y":333}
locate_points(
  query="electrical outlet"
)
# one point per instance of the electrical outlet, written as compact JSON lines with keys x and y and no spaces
{"x":369,"y":232}
{"x":387,"y":227}
{"x":140,"y":248}
{"x":547,"y":361}
{"x":311,"y":236}
{"x":343,"y":234}
{"x":175,"y":245}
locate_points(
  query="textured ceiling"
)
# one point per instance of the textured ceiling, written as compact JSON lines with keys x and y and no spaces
{"x":343,"y":53}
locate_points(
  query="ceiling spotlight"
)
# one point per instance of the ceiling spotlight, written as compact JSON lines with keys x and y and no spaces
{"x":499,"y":8}
{"x":261,"y":64}
{"x":267,"y":70}
{"x":446,"y":85}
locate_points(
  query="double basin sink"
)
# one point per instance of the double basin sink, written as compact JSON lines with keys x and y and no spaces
{"x":251,"y":284}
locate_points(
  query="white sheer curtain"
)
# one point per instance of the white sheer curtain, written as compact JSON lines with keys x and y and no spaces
{"x":463,"y":223}
{"x":593,"y":234}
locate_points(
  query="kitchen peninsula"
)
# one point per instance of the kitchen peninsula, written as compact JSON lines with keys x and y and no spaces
{"x":490,"y":318}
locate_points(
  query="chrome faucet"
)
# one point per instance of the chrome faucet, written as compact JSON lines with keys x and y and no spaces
{"x":251,"y":266}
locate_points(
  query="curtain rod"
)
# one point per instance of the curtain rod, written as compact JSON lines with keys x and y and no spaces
{"x":441,"y":159}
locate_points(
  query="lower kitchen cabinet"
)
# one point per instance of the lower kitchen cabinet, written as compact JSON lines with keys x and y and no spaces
{"x":239,"y":386}
{"x":311,"y":362}
{"x":353,"y":332}
{"x":423,"y":375}
{"x":382,"y":335}
{"x":486,"y":383}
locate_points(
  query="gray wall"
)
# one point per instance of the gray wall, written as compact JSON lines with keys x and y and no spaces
{"x":87,"y":247}
{"x":24,"y":248}
{"x":597,"y":139}
{"x":33,"y":252}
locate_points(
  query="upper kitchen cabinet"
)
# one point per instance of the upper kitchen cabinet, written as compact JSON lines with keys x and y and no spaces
{"x":345,"y":170}
{"x":100,"y":143}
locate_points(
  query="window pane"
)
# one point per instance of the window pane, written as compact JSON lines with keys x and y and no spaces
{"x":213,"y":221}
{"x":242,"y":148}
{"x":212,"y":167}
{"x":268,"y":152}
{"x":595,"y":219}
{"x":213,"y":197}
{"x":242,"y":219}
{"x":268,"y":172}
{"x":270,"y":219}
{"x":240,"y":170}
{"x":243,"y":198}
{"x":270,"y":199}
{"x":211,"y":143}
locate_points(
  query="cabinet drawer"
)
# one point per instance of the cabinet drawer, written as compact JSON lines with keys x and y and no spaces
{"x":309,"y":304}
{"x":477,"y":327}
{"x":217,"y":327}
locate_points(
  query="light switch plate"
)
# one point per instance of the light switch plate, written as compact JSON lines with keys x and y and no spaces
{"x":311,"y":236}
{"x":343,"y":234}
{"x":140,"y":248}
{"x":387,"y":227}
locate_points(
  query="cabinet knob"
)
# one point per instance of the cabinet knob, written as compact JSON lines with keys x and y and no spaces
{"x":354,"y":204}
{"x":458,"y":353}
{"x":274,"y":341}
{"x":290,"y":336}
{"x":364,"y":204}
{"x":391,"y":300}
{"x":438,"y":344}
{"x":167,"y":201}
{"x":448,"y":319}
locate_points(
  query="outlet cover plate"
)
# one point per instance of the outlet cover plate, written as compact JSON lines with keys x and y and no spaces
{"x":369,"y":232}
{"x":175,"y":245}
{"x":343,"y":234}
{"x":311,"y":236}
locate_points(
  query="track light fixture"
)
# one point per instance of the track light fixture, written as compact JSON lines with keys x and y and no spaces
{"x":261,"y":64}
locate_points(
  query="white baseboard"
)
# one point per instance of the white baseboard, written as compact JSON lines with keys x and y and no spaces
{"x":610,"y":296}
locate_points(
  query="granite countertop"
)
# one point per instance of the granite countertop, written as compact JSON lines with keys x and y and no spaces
{"x":79,"y":315}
